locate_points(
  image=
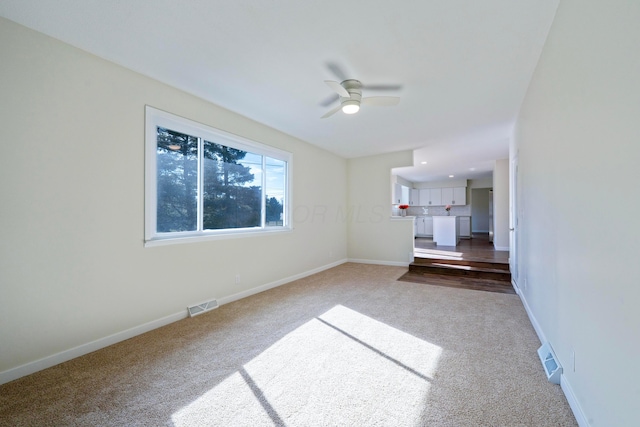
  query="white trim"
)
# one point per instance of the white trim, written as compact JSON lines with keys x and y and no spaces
{"x":267,"y":286}
{"x":501,"y":248}
{"x":564,"y":382}
{"x":231,"y":234}
{"x":581,"y":418}
{"x":378,"y":262}
{"x":82,"y":349}
{"x":532,"y":319}
{"x":515,"y":285}
{"x":158,"y":118}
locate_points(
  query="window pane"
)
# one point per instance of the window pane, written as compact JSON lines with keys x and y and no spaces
{"x":231,"y":187}
{"x":177,"y":165}
{"x":276,"y":173}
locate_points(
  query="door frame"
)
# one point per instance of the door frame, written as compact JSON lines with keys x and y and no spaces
{"x":513,"y":221}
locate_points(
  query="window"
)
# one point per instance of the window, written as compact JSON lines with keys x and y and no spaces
{"x":204,"y":183}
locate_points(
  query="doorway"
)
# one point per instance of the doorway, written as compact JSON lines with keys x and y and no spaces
{"x":480,"y":211}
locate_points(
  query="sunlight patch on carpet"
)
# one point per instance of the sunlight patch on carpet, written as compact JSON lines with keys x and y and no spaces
{"x":338,"y":369}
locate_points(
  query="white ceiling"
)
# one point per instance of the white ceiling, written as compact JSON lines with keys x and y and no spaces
{"x":464,"y":65}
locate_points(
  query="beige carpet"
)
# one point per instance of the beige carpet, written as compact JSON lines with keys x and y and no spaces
{"x":350,"y":346}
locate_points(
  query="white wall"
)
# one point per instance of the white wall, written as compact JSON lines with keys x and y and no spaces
{"x":501,"y":205}
{"x":373,"y":234}
{"x":578,"y":146}
{"x":442,"y":184}
{"x":481,"y":182}
{"x":73,"y":268}
{"x":400,"y":180}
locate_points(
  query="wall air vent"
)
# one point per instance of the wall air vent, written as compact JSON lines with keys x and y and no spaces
{"x":203,"y":307}
{"x":550,"y":363}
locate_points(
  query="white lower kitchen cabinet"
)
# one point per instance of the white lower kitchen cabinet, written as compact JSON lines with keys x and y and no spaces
{"x":419,"y":227}
{"x":446,"y":230}
{"x":428,"y":226}
{"x":424,"y":226}
{"x":465,"y":227}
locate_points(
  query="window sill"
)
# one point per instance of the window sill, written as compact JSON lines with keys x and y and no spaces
{"x":215,"y":236}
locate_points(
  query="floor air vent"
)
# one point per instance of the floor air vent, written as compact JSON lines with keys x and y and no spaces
{"x":194,"y":310}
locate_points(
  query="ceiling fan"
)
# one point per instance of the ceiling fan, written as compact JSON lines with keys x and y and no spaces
{"x":349,"y":93}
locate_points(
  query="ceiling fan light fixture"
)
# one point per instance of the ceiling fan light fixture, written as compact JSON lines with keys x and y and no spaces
{"x":350,"y":107}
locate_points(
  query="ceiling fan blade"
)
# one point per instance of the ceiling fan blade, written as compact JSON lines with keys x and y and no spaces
{"x":382,"y":87}
{"x":337,"y":70}
{"x":337,"y":88}
{"x":381,"y":101}
{"x":331,"y":112}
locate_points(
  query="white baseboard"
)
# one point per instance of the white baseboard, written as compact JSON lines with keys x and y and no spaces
{"x":267,"y":286}
{"x":532,"y":318}
{"x":373,"y":261}
{"x":564,"y":383}
{"x":516,"y":287}
{"x":501,"y":248}
{"x":81,"y":350}
{"x":573,"y":402}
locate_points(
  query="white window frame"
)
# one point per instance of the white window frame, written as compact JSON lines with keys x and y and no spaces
{"x":155,"y":118}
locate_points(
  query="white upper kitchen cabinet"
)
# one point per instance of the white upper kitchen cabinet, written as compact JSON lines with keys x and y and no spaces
{"x":397,"y":194}
{"x":405,"y":195}
{"x":431,"y":196}
{"x":400,"y":194}
{"x":456,"y":196}
{"x":414,"y":197}
{"x":460,"y":196}
{"x":447,"y":196}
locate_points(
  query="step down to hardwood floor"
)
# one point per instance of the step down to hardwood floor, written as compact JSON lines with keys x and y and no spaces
{"x":426,"y":259}
{"x":499,"y":286}
{"x":460,"y":272}
{"x":478,"y":268}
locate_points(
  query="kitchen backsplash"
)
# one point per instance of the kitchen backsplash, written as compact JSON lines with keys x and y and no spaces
{"x":436,"y":211}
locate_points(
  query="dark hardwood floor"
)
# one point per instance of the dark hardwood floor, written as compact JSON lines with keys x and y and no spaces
{"x":472,"y":264}
{"x":477,"y":247}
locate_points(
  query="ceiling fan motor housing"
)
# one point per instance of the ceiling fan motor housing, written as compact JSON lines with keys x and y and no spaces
{"x":354,"y":87}
{"x":350,"y":95}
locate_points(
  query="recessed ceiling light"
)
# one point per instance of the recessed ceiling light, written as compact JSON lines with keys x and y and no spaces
{"x":423,"y":163}
{"x":472,"y":169}
{"x":450,"y":176}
